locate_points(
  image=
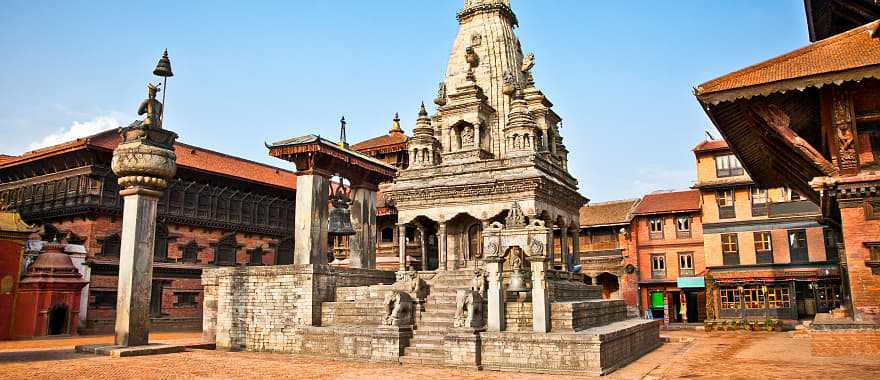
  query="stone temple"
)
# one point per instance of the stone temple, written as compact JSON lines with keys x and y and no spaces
{"x":488,"y":176}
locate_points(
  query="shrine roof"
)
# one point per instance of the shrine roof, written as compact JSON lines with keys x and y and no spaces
{"x":711,"y":146}
{"x":669,"y":202}
{"x":188,"y":156}
{"x":314,"y":143}
{"x":391,"y":142}
{"x":610,"y":213}
{"x":850,"y":56}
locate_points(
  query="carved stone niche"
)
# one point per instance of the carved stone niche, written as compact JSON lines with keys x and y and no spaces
{"x":872,"y":208}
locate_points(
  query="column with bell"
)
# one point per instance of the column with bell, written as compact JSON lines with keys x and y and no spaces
{"x":143,"y":161}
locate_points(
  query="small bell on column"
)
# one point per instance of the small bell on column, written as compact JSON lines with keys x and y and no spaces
{"x":339,"y":221}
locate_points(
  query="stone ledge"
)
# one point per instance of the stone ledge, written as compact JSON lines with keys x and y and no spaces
{"x":149,"y":349}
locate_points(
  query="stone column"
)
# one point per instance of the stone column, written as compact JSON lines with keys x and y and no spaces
{"x":362,"y":252}
{"x":441,"y":246}
{"x":495,"y":294}
{"x":143,"y":161}
{"x":563,"y":246}
{"x":540,"y":299}
{"x":310,"y":218}
{"x":477,"y":128}
{"x":423,"y":235}
{"x":401,"y":242}
{"x":575,"y":246}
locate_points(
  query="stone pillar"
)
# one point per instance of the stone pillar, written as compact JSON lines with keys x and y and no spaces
{"x":423,"y":236}
{"x":310,"y":219}
{"x":495,"y":294}
{"x":540,"y":299}
{"x":575,"y":246}
{"x":441,"y":246}
{"x":362,"y":252}
{"x":143,"y":161}
{"x":477,"y":128}
{"x":401,"y":242}
{"x":563,"y":246}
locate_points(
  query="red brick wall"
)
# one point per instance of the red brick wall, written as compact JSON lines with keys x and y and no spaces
{"x":10,"y":264}
{"x":845,"y":343}
{"x":864,"y":284}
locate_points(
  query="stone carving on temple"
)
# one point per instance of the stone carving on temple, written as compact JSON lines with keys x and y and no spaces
{"x":515,"y":217}
{"x":440,"y":100}
{"x":398,"y":309}
{"x":468,"y":309}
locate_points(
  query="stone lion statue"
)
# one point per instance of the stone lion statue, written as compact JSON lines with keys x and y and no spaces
{"x":398,"y":309}
{"x":468,"y":309}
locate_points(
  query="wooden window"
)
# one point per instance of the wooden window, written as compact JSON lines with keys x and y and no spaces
{"x":186,"y":299}
{"x":683,"y":227}
{"x":686,"y":264}
{"x":284,"y":253}
{"x":387,"y":235}
{"x":255,"y":256}
{"x":160,"y":249}
{"x":103,"y":299}
{"x":729,"y":298}
{"x":658,"y":266}
{"x":110,"y":246}
{"x":778,"y":298}
{"x":759,"y":201}
{"x":727,"y":166}
{"x":655,"y":228}
{"x":753,"y":298}
{"x":730,"y":249}
{"x":726,"y":206}
{"x":763,"y":247}
{"x":224,"y":252}
{"x":831,"y":244}
{"x":190,"y":252}
{"x":797,"y":246}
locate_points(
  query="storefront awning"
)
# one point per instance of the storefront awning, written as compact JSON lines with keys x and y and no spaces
{"x":691,"y":282}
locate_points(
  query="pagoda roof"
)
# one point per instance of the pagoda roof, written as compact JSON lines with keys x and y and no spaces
{"x":850,"y":56}
{"x":188,"y":156}
{"x":604,"y":214}
{"x":392,"y":142}
{"x":286,"y":149}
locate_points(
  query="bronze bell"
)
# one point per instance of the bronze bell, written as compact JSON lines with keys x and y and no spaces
{"x":339,"y":221}
{"x":163,"y":68}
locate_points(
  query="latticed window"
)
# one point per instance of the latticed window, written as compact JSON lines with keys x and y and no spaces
{"x":255,"y":256}
{"x":763,"y":247}
{"x":224,"y":253}
{"x":753,"y":298}
{"x":778,"y":298}
{"x":110,"y":246}
{"x":160,"y":249}
{"x":730,"y":249}
{"x":726,"y":207}
{"x":186,"y":299}
{"x":727,"y":166}
{"x":729,"y":298}
{"x":190,"y":252}
{"x":683,"y":227}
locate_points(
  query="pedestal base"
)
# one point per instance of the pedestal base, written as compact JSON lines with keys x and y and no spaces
{"x":461,"y":348}
{"x":115,"y":351}
{"x":388,"y":343}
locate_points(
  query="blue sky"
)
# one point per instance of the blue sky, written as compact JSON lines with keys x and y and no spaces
{"x":619,"y":72}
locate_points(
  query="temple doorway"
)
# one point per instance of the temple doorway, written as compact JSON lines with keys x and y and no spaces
{"x":58,"y":319}
{"x":465,"y":241}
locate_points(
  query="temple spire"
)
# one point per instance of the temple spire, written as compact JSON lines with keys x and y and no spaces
{"x":342,"y":140}
{"x":395,"y":125}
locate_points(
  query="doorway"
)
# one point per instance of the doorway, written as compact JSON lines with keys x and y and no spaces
{"x":58,"y":319}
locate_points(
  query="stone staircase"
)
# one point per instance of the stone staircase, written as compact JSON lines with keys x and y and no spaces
{"x":426,"y":346}
{"x":356,"y":306}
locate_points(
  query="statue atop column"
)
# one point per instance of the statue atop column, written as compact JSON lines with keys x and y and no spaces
{"x":151,"y":107}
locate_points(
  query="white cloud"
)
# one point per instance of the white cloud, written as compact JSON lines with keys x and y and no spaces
{"x":78,"y":129}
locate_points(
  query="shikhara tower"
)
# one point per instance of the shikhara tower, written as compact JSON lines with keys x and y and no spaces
{"x":493,"y":141}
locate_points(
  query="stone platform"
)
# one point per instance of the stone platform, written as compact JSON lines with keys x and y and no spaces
{"x":149,"y":349}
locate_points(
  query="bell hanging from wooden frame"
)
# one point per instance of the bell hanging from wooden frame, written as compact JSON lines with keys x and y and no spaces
{"x":339,"y":220}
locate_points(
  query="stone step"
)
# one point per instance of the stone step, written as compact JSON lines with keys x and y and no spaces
{"x":423,"y":351}
{"x":422,"y":360}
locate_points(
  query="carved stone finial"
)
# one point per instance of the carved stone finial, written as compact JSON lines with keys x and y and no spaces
{"x":395,"y":125}
{"x":422,"y":110}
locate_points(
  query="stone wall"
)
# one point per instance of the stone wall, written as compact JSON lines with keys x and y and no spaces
{"x":567,"y":316}
{"x":595,"y":351}
{"x":263,"y":308}
{"x":564,"y":290}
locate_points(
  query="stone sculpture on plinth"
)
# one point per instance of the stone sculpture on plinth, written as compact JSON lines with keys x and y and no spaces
{"x":144,"y":161}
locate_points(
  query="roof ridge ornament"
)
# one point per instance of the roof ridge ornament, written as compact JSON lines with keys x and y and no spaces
{"x":395,"y":125}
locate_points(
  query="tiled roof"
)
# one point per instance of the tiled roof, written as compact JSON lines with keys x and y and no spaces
{"x":607,"y":213}
{"x":852,"y":55}
{"x":5,"y":157}
{"x":669,"y":202}
{"x":188,"y":156}
{"x":711,"y":146}
{"x":377,"y":143}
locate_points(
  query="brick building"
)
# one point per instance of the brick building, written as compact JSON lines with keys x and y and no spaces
{"x":808,"y":120}
{"x":607,"y":256}
{"x":219,"y":211}
{"x":765,"y":249}
{"x":667,"y":234}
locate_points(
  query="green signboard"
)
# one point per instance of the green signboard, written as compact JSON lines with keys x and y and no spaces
{"x":657,"y":300}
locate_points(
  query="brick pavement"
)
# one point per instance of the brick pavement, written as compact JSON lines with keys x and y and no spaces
{"x":710,"y":355}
